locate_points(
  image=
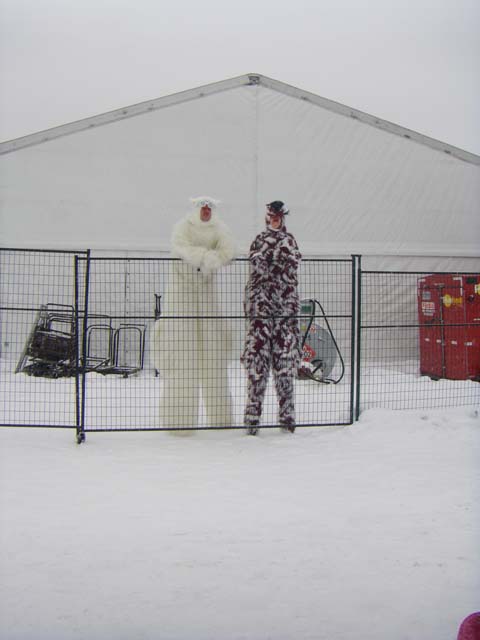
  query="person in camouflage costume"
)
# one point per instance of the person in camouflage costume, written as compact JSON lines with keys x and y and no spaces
{"x":271,"y":307}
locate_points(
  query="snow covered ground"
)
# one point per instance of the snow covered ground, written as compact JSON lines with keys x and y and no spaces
{"x":339,"y":533}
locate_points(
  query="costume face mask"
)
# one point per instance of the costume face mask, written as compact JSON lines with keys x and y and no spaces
{"x":203,"y":210}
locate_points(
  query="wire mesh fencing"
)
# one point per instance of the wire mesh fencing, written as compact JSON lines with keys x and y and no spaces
{"x":39,"y":300}
{"x":164,"y":346}
{"x":420,"y":340}
{"x":117,"y":344}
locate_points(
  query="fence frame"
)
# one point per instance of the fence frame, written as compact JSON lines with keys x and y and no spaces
{"x":81,"y":276}
{"x":352,"y":261}
{"x":363,"y":326}
{"x":77,"y":399}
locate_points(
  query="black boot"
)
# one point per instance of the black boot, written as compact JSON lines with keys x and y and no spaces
{"x":252,"y":430}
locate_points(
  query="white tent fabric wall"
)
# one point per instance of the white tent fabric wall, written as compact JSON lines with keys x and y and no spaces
{"x":358,"y":189}
{"x":352,"y":187}
{"x":124,"y":185}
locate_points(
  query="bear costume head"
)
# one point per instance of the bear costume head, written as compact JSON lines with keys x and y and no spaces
{"x":203,"y":211}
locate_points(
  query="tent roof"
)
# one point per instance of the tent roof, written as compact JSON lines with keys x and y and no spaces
{"x":226,"y":85}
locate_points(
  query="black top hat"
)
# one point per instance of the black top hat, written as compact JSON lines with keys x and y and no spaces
{"x":278,"y":207}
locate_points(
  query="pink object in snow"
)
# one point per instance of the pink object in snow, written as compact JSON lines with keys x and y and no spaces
{"x":470,"y":627}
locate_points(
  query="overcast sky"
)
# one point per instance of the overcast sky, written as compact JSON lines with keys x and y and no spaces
{"x":413,"y":62}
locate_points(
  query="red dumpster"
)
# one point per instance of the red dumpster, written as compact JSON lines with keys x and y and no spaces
{"x":449,"y":320}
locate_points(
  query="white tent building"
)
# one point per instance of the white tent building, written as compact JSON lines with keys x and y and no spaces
{"x":354,"y":183}
{"x":117,"y":183}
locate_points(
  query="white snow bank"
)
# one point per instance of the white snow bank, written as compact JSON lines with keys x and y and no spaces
{"x":367,"y":531}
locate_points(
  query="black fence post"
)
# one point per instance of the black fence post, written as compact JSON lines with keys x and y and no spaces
{"x":83,"y":355}
{"x":77,"y":352}
{"x":356,"y":347}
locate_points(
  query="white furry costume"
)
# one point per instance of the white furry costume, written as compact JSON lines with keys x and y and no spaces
{"x":192,"y":348}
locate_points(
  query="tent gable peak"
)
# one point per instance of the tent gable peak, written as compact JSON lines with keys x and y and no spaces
{"x":249,"y":79}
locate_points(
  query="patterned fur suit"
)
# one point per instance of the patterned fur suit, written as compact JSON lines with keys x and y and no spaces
{"x":272,"y":341}
{"x":192,"y":347}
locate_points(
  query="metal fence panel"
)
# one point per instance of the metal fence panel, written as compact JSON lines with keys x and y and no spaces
{"x":130,"y":298}
{"x":38,"y":338}
{"x":78,"y":347}
{"x":392,"y":373}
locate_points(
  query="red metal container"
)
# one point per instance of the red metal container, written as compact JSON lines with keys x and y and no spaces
{"x":449,"y":319}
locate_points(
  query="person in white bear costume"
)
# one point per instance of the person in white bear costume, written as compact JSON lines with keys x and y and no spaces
{"x":192,"y":347}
